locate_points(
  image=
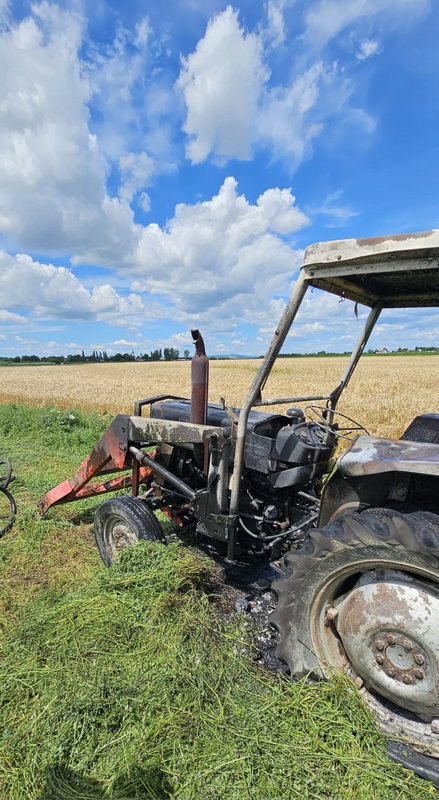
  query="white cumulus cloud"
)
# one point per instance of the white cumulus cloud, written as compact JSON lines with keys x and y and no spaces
{"x":224,"y":254}
{"x":54,"y":161}
{"x":325,"y":19}
{"x":221,"y":82}
{"x":9,"y":316}
{"x":49,"y":291}
{"x":368,"y":48}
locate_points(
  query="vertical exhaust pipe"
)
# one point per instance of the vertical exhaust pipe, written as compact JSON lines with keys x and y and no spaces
{"x":199,"y":381}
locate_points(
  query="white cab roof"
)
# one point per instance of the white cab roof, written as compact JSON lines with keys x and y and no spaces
{"x":395,"y":271}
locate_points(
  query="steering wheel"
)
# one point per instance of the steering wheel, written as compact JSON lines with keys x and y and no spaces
{"x":349,"y":432}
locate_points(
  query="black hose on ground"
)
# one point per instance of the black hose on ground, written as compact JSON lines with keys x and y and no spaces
{"x":5,"y":480}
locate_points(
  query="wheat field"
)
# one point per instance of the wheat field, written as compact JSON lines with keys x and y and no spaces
{"x":385,"y":392}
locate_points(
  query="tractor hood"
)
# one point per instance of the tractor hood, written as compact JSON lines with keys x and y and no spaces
{"x":368,"y":456}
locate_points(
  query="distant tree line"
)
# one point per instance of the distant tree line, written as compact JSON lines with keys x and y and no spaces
{"x":370,"y":352}
{"x":97,"y":357}
{"x":171,"y":354}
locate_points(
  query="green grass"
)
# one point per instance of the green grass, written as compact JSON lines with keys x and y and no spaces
{"x":132,"y":682}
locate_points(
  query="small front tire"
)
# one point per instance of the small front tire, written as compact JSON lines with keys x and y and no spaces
{"x":122,"y":522}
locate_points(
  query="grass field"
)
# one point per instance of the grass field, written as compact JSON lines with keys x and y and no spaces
{"x":133,"y":682}
{"x":384,"y":394}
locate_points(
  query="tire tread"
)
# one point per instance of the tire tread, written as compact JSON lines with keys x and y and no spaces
{"x":414,"y":532}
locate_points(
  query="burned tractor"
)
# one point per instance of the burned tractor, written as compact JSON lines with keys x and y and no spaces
{"x":359,"y":536}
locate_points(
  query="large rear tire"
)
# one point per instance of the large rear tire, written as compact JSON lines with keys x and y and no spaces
{"x":362,"y":595}
{"x":121,"y":522}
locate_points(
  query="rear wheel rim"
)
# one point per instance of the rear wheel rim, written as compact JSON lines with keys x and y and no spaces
{"x":391,"y":654}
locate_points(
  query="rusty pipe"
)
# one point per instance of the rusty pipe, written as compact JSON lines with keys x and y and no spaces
{"x":199,"y":381}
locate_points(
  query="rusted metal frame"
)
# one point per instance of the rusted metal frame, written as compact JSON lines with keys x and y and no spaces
{"x":139,"y":404}
{"x":157,"y":430}
{"x":281,"y":400}
{"x":199,"y":394}
{"x":162,"y":430}
{"x":222,"y":485}
{"x":108,"y":455}
{"x":344,"y":289}
{"x":179,"y":485}
{"x":111,"y":454}
{"x":253,"y":396}
{"x":135,"y":478}
{"x":395,"y":244}
{"x":400,"y":245}
{"x":354,"y":357}
{"x":381,"y":264}
{"x":218,"y":475}
{"x":199,"y":380}
{"x":216,"y":467}
{"x":421,"y":300}
{"x":112,"y":485}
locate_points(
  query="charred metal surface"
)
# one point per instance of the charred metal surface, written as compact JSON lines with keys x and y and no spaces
{"x":369,"y":456}
{"x":277,"y":401}
{"x":354,"y":494}
{"x":397,"y":271}
{"x":424,"y":766}
{"x":254,"y":395}
{"x":139,"y":404}
{"x":143,"y":458}
{"x":380,"y":247}
{"x":376,"y":241}
{"x":109,"y":454}
{"x":215,"y":526}
{"x":161,"y":430}
{"x":424,"y":428}
{"x":135,"y":480}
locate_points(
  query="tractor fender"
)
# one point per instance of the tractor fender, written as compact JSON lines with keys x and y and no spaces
{"x":368,"y":455}
{"x":379,"y":472}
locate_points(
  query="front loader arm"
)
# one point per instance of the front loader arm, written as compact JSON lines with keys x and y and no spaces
{"x":110,"y":454}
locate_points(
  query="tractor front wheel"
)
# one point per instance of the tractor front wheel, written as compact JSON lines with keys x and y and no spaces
{"x":121,"y":522}
{"x":362,"y":595}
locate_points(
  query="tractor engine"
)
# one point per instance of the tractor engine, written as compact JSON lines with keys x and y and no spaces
{"x":285,"y":459}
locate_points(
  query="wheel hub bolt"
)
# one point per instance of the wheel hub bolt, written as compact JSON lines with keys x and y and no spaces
{"x":399,"y":658}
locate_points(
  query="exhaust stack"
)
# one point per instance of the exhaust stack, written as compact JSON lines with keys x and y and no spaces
{"x":199,"y":380}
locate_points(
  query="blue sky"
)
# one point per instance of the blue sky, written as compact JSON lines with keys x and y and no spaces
{"x":163,"y":166}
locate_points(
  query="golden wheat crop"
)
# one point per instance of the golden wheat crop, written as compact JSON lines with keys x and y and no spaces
{"x":385,"y":392}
